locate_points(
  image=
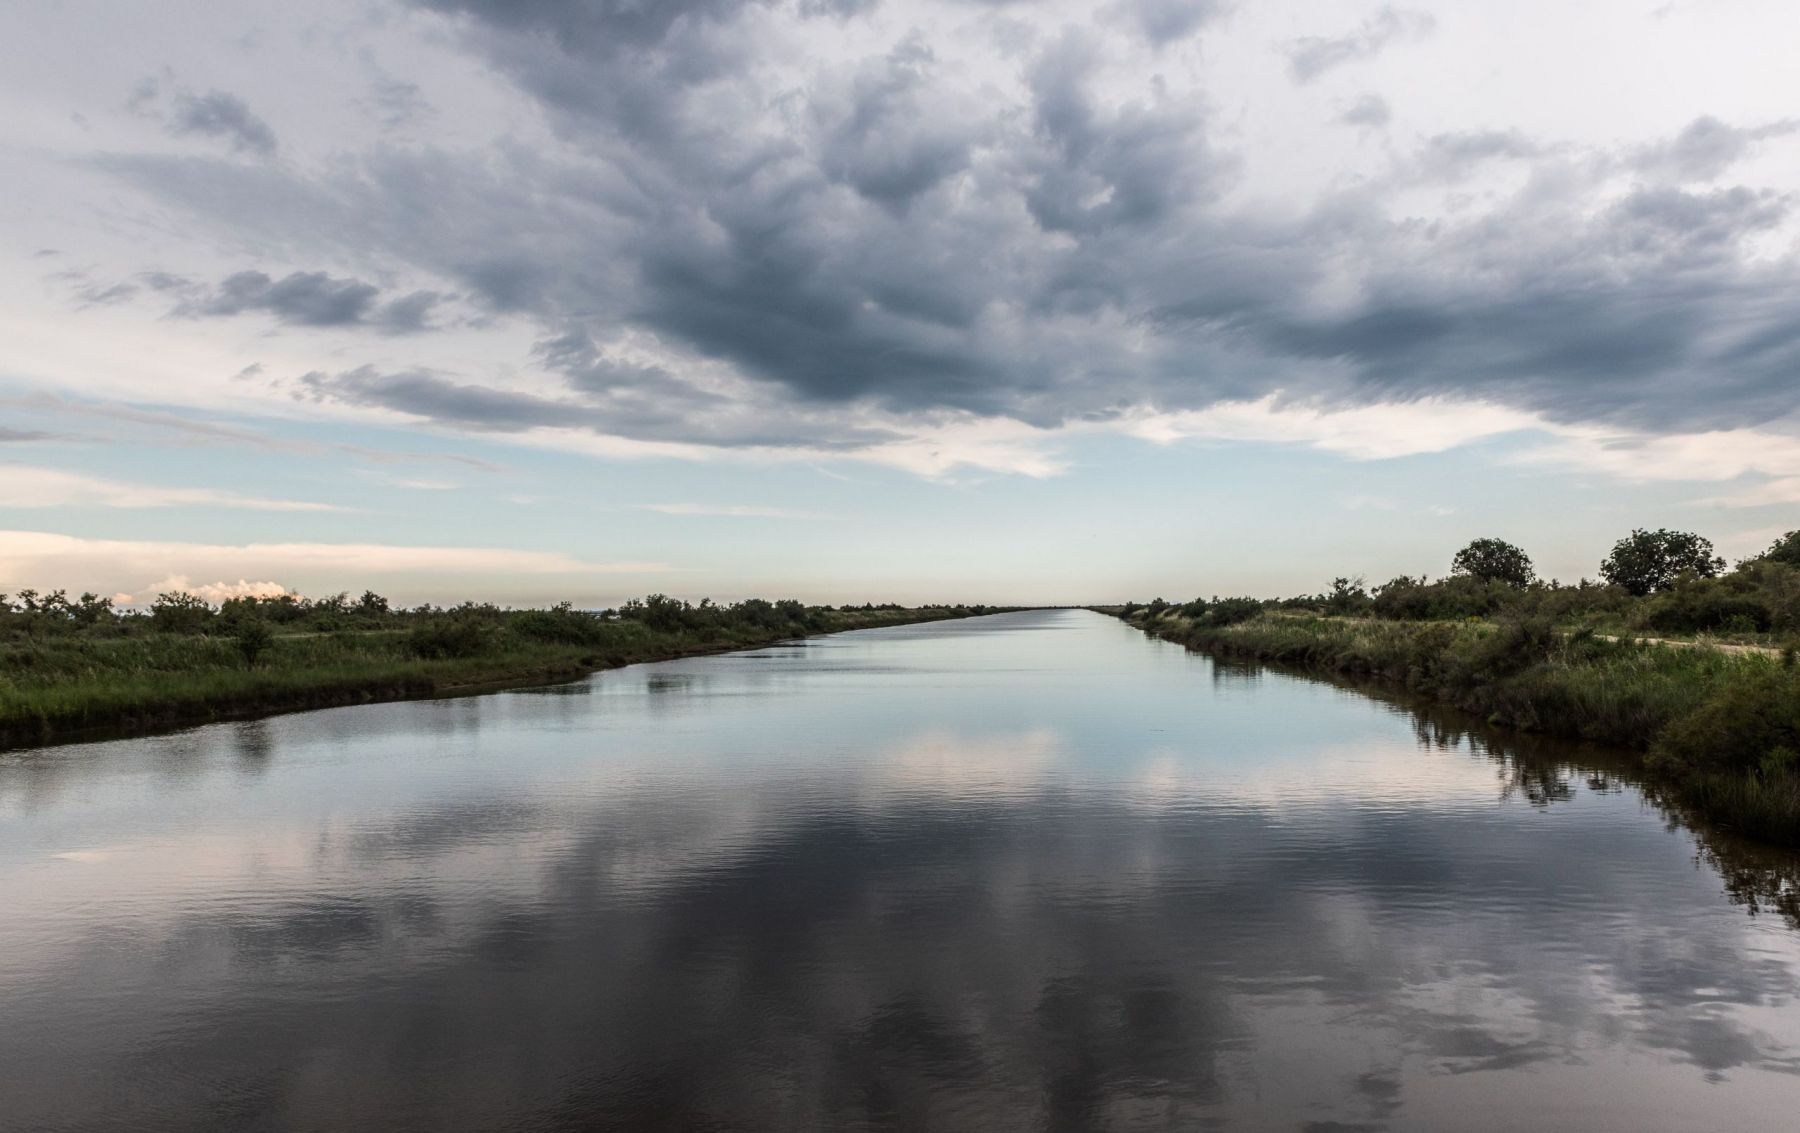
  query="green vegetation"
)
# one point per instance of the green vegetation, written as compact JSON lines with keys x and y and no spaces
{"x":1646,"y":561}
{"x":70,"y":668}
{"x":1494,"y":560}
{"x":1716,"y":725}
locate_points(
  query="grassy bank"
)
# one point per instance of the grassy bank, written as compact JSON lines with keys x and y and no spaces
{"x":1719,"y":731}
{"x":64,"y":679}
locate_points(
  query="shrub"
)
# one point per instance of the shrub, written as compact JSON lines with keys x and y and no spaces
{"x":1751,"y":724}
{"x":448,"y":637}
{"x":1348,"y":597}
{"x":1699,"y":605}
{"x":252,"y":639}
{"x":1520,"y":644}
{"x":562,"y":624}
{"x":180,"y":612}
{"x":1455,"y":598}
{"x":1231,"y":611}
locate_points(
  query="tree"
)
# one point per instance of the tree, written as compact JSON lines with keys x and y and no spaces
{"x":180,"y":612}
{"x":1786,"y":550}
{"x":1647,"y":561}
{"x":1494,"y":560}
{"x":1348,"y":596}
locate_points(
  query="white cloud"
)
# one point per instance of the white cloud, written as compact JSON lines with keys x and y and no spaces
{"x":41,"y":558}
{"x":25,"y":486}
{"x":214,"y":592}
{"x":734,"y":510}
{"x":1711,"y":457}
{"x":1361,"y":432}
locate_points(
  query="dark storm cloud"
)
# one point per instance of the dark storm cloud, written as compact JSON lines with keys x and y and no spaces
{"x":1312,"y":56}
{"x":312,"y":299}
{"x":605,"y":395}
{"x":893,"y":236}
{"x":889,"y":144}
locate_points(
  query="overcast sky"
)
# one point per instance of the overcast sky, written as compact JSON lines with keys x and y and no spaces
{"x":855,"y":299}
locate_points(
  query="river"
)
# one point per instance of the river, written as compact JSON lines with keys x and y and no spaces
{"x":1027,"y":871}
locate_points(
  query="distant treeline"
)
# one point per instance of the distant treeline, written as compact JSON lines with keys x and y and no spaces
{"x":433,"y":631}
{"x":73,"y":667}
{"x":1667,"y":582}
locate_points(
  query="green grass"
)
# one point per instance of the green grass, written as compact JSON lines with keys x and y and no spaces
{"x":1717,"y":731}
{"x":73,"y":686}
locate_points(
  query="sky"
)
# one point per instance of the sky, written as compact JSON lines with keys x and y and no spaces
{"x":866,"y":300}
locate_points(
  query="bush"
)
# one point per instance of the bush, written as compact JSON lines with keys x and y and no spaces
{"x":1455,"y":598}
{"x":449,"y":636}
{"x":1231,"y":611}
{"x":1701,"y":605}
{"x":1751,"y":724}
{"x":1348,"y":597}
{"x":562,"y":624}
{"x":1518,"y":646}
{"x":252,"y":639}
{"x":180,"y":613}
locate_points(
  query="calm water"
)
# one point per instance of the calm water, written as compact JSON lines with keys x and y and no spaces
{"x":1027,"y":871}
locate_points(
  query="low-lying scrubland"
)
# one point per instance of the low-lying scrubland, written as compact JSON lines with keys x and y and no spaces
{"x":75,"y":668}
{"x":1717,"y":728}
{"x":1721,"y":728}
{"x":1655,"y":583}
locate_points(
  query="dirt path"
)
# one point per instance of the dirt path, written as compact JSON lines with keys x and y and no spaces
{"x":1721,"y":646}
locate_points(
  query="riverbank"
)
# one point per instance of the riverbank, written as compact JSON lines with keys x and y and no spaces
{"x":76,"y":686}
{"x":1719,"y":730}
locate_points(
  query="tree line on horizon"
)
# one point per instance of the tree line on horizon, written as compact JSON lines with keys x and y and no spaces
{"x":1661,"y":580}
{"x":431,"y":632}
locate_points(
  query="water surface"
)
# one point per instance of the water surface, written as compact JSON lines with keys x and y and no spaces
{"x":1020,"y":872}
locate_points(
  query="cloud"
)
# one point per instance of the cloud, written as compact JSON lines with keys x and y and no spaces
{"x":743,"y":228}
{"x":221,"y":115}
{"x":105,"y":565}
{"x":1706,"y":148}
{"x":23,"y":486}
{"x":1763,"y":465}
{"x":397,"y":104}
{"x":214,"y":114}
{"x":1373,"y":432}
{"x":1312,"y":56}
{"x":1166,"y":21}
{"x":214,"y":592}
{"x":1370,"y":111}
{"x":15,"y":436}
{"x":312,"y":299}
{"x":192,"y":430}
{"x":739,"y":511}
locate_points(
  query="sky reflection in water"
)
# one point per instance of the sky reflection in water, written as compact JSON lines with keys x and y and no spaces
{"x":1032,"y":871}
